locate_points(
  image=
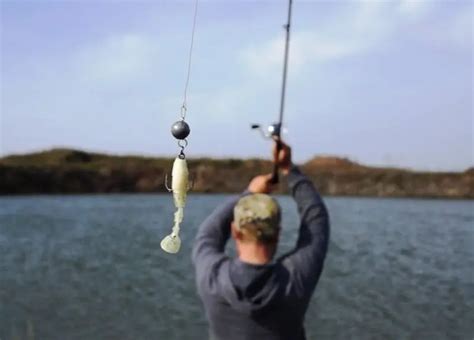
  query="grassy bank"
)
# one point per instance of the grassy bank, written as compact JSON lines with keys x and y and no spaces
{"x":74,"y":171}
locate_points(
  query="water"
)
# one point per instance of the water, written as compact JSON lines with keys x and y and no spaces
{"x":90,"y":267}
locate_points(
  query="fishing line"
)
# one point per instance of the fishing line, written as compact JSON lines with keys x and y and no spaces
{"x":190,"y":56}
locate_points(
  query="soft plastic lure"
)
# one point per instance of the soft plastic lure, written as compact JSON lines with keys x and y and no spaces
{"x":179,"y":187}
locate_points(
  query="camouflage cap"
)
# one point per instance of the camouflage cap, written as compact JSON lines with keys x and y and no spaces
{"x":259,"y":215}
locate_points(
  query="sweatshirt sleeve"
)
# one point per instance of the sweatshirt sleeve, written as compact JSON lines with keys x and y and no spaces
{"x":211,"y":238}
{"x":306,"y":261}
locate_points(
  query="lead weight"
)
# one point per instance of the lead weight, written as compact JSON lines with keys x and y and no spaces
{"x":180,"y":129}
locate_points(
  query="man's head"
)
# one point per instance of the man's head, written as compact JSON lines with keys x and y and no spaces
{"x":256,"y":226}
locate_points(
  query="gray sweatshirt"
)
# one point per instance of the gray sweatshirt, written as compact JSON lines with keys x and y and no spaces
{"x":259,"y":302}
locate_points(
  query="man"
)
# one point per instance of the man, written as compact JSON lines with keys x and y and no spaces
{"x":252,"y":297}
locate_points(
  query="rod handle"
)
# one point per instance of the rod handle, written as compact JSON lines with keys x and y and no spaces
{"x":275,"y":178}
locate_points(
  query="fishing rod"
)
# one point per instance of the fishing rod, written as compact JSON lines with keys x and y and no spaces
{"x":274,"y":130}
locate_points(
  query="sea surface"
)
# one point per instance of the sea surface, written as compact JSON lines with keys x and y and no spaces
{"x":90,"y":267}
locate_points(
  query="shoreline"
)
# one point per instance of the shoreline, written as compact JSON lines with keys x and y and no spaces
{"x":73,"y":172}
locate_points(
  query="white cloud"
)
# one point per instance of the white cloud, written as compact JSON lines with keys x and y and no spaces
{"x":305,"y":47}
{"x":117,"y":59}
{"x":461,"y":28}
{"x":350,"y":34}
{"x":415,"y":8}
{"x":223,"y":104}
{"x":355,"y":32}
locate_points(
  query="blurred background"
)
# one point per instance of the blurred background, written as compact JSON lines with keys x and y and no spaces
{"x":379,"y":104}
{"x":383,"y":82}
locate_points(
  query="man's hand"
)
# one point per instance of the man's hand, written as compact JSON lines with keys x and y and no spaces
{"x":261,"y":184}
{"x":284,"y":157}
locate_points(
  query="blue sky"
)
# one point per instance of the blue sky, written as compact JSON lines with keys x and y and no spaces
{"x":381,"y":82}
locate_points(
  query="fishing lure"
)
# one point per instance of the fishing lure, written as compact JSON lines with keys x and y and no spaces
{"x":180,"y":174}
{"x":179,"y":187}
{"x":179,"y":184}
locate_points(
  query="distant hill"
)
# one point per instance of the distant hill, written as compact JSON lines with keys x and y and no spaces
{"x":69,"y":171}
{"x":333,"y":164}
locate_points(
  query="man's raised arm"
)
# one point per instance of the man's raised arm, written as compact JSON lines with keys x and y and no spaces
{"x":306,"y":261}
{"x":213,"y":234}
